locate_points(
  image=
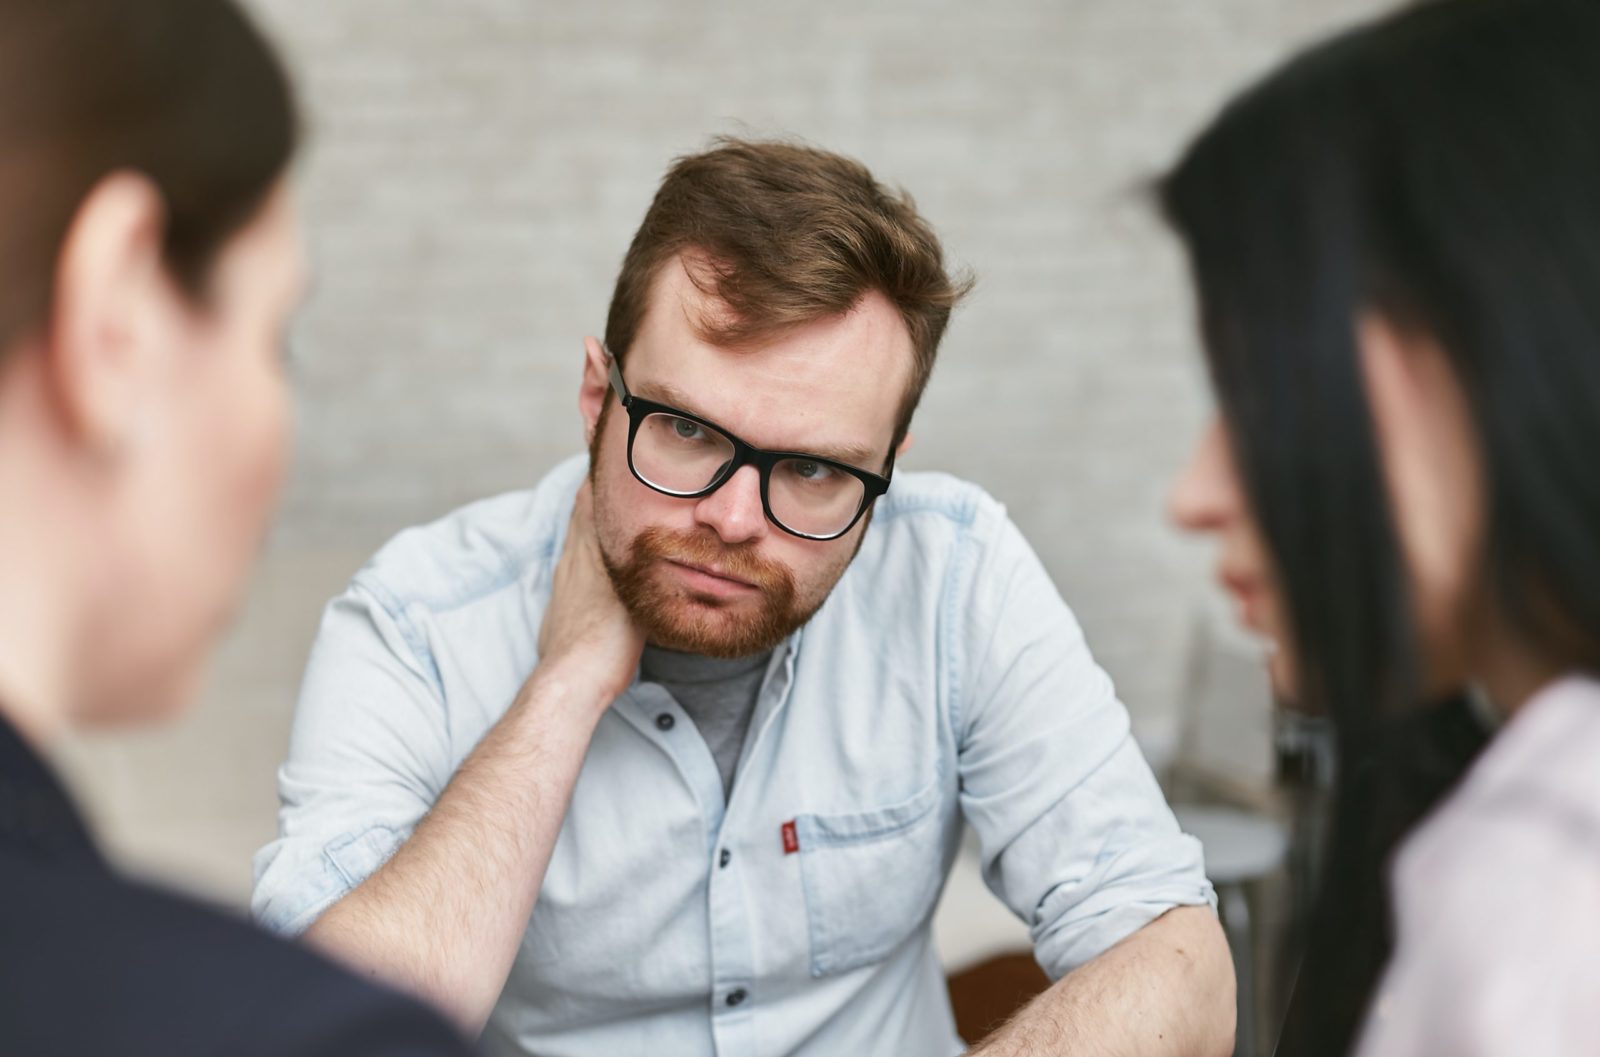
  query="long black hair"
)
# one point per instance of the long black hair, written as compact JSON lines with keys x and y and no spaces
{"x":184,"y":92}
{"x":1441,"y":168}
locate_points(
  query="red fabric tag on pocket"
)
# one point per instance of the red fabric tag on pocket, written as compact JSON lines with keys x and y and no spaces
{"x":791,"y":838}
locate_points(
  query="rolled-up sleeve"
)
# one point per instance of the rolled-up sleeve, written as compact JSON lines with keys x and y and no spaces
{"x":1075,"y":834}
{"x":368,"y":756}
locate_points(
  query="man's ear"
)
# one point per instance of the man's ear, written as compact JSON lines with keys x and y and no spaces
{"x":111,"y":289}
{"x":595,"y":385}
{"x":905,"y":446}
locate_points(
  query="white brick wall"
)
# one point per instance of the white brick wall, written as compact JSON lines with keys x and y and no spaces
{"x":477,"y":168}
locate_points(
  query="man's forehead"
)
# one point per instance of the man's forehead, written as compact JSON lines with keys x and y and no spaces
{"x":833,"y":383}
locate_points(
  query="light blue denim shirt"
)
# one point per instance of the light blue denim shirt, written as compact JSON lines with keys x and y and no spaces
{"x":944,"y":679}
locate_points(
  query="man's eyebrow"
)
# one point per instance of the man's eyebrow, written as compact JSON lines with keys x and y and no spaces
{"x":849,"y":454}
{"x":672,"y":396}
{"x":667,"y":393}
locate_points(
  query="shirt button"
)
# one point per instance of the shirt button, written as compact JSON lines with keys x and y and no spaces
{"x":665,"y":721}
{"x":725,"y":858}
{"x":737,"y":997}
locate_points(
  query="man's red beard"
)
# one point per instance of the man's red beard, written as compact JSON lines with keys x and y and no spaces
{"x":677,"y":617}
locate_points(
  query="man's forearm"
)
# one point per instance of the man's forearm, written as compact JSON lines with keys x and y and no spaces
{"x":1165,"y":991}
{"x":444,"y":917}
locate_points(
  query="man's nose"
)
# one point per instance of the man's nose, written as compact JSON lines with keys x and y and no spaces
{"x":734,"y":511}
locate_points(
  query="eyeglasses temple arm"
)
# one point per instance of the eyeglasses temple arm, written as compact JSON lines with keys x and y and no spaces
{"x":618,"y":384}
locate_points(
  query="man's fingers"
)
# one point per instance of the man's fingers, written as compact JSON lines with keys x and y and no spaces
{"x":580,"y":527}
{"x":583,"y":505}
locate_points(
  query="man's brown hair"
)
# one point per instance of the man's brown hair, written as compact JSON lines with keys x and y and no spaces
{"x":782,"y":235}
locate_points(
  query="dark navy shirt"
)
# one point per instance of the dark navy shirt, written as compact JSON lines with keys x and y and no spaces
{"x":94,"y":965}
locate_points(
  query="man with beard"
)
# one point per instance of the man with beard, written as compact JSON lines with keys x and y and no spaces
{"x":671,"y":754}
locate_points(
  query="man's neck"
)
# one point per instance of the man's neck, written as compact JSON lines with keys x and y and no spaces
{"x":664,"y":665}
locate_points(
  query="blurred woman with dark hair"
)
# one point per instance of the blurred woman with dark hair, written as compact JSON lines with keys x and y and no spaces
{"x":149,"y":262}
{"x":1396,"y":245}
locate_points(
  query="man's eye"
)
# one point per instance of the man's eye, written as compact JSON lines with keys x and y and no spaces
{"x":686,"y":429}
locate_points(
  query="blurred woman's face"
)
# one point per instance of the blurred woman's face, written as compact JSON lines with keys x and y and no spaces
{"x":1208,"y":498}
{"x":1432,"y":471}
{"x":201,"y":473}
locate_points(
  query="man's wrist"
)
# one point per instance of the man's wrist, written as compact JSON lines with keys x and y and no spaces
{"x":566,"y":686}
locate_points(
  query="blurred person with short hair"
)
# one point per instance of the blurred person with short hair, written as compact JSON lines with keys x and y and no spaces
{"x":150,"y":259}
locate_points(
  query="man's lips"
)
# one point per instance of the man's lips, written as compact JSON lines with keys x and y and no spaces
{"x":711,"y":578}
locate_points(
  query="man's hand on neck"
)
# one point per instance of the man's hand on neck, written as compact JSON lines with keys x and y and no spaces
{"x":445,"y":915}
{"x":587,"y":640}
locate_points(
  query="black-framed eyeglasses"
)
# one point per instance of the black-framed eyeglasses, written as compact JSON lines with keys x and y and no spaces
{"x":687,"y":457}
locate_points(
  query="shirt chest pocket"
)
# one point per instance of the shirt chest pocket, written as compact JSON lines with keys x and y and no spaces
{"x":871,"y":878}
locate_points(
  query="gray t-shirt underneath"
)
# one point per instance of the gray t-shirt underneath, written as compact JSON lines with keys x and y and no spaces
{"x":720,"y":696}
